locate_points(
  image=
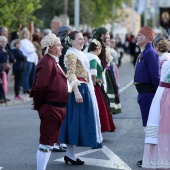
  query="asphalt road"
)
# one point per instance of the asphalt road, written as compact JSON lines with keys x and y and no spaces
{"x":19,"y":134}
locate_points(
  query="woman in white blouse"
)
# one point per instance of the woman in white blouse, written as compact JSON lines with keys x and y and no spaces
{"x":29,"y":51}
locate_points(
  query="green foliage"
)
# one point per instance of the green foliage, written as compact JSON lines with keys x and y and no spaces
{"x":50,"y":8}
{"x":15,"y":12}
{"x":98,"y":12}
{"x":92,"y":12}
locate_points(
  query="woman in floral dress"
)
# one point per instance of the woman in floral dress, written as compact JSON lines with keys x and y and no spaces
{"x":81,"y":126}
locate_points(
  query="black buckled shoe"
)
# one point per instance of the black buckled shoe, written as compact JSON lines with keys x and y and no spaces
{"x":59,"y":149}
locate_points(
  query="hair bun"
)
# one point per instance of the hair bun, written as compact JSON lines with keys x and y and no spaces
{"x":163,"y":46}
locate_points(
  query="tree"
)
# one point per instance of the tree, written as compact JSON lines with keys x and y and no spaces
{"x":50,"y":8}
{"x":92,"y":12}
{"x":98,"y":12}
{"x":13,"y":13}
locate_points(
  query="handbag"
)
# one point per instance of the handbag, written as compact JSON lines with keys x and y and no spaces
{"x":5,"y":66}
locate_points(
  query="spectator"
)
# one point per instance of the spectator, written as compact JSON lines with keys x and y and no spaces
{"x":29,"y":51}
{"x":38,"y":31}
{"x":46,"y":31}
{"x":18,"y":68}
{"x":115,"y":58}
{"x":4,"y":68}
{"x":4,"y":32}
{"x":120,"y":50}
{"x":36,"y":42}
{"x":86,"y":36}
{"x":55,"y":24}
{"x":127,"y":42}
{"x":14,"y":36}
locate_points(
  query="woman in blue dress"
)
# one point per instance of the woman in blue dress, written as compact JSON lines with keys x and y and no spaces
{"x":81,"y":126}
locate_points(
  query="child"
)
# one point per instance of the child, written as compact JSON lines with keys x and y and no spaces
{"x":18,"y":68}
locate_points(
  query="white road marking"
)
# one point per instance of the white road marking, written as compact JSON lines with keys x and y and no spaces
{"x":1,"y":167}
{"x":125,"y":87}
{"x":113,"y":160}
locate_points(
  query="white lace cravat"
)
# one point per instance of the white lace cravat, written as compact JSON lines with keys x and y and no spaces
{"x":57,"y":61}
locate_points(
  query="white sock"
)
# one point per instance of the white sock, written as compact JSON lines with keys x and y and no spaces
{"x":42,"y":158}
{"x":70,"y":152}
{"x":48,"y":157}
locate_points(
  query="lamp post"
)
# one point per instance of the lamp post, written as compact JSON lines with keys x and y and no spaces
{"x":133,"y":16}
{"x":76,"y":14}
{"x":153,"y":14}
{"x":66,"y":7}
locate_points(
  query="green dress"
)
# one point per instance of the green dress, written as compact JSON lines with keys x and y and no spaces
{"x":95,"y":65}
{"x":96,"y":69}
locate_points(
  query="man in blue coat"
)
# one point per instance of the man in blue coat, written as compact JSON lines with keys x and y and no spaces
{"x":146,"y":78}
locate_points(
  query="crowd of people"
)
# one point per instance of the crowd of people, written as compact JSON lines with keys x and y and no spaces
{"x":91,"y":86}
{"x":20,"y":53}
{"x":73,"y":78}
{"x":76,"y":82}
{"x":20,"y":56}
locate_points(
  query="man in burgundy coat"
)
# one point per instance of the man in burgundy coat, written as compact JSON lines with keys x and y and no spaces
{"x":50,"y":96}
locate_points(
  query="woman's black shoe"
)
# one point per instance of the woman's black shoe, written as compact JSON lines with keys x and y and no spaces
{"x":77,"y":162}
{"x":139,"y":163}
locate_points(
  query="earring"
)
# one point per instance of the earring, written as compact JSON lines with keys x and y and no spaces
{"x":69,"y":40}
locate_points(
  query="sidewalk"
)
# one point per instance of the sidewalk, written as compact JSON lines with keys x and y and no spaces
{"x":10,"y":95}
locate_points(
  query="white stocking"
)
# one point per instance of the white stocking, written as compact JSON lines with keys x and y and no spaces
{"x":70,"y":152}
{"x":43,"y":157}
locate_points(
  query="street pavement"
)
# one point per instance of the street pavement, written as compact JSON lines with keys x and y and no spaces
{"x":19,"y":134}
